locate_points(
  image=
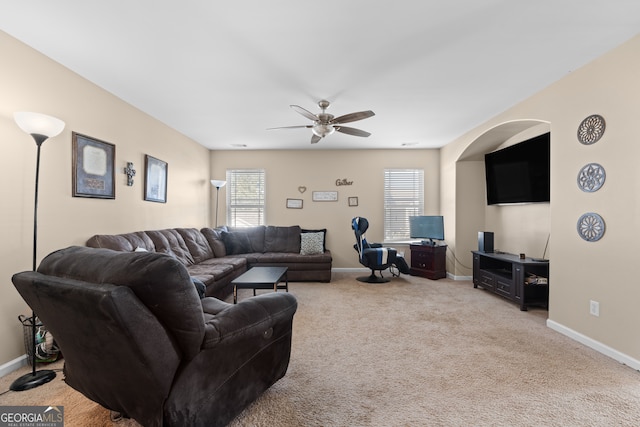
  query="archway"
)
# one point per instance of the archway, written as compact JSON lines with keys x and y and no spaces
{"x":473,"y":214}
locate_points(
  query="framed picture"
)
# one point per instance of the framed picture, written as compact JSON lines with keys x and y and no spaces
{"x":294,"y":203}
{"x":155,"y":179}
{"x":93,"y":167}
{"x":325,"y":196}
{"x":353,"y":201}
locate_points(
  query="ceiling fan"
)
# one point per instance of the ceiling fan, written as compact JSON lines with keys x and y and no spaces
{"x":325,"y":124}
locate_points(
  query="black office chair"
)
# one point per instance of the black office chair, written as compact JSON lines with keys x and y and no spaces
{"x":375,"y":256}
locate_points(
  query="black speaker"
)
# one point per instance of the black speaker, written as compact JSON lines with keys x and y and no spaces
{"x":485,"y":241}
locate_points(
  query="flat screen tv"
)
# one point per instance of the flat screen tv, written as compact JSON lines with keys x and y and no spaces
{"x":519,"y":173}
{"x":428,"y":228}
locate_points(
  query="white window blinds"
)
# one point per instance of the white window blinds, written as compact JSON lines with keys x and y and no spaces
{"x":403,"y":197}
{"x":245,"y":197}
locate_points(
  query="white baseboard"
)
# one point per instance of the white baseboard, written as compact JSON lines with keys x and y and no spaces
{"x":366,"y":270}
{"x":454,"y":277}
{"x":596,"y":345}
{"x":350,"y":270}
{"x":13,"y":365}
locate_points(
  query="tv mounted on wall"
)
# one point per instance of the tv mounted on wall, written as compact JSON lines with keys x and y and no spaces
{"x":519,"y":173}
{"x":429,"y":228}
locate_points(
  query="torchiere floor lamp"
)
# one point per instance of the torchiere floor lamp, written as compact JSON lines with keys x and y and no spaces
{"x":218,"y":184}
{"x":40,"y":127}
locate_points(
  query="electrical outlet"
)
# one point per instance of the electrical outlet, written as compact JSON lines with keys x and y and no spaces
{"x":594,"y":308}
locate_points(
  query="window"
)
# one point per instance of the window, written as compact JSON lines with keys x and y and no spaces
{"x":245,"y":197}
{"x":403,"y":197}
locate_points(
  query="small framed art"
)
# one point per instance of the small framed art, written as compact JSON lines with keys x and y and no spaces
{"x":294,"y":203}
{"x":324,"y":196}
{"x":155,"y":179}
{"x":93,"y":167}
{"x":353,"y":201}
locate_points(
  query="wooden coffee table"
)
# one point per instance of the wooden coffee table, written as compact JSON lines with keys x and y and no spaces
{"x":260,"y":278}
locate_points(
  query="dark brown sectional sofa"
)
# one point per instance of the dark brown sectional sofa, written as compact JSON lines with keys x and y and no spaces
{"x":217,"y":256}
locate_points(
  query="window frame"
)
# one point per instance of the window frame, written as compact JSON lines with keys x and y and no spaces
{"x":234,"y":204}
{"x":401,"y":203}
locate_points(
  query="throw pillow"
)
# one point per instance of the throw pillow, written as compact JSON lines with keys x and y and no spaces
{"x":200,"y":287}
{"x":236,"y":243}
{"x":321,"y":230}
{"x":139,"y":249}
{"x":311,"y":243}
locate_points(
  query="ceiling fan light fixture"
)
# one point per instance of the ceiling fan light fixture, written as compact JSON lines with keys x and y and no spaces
{"x":322,"y":129}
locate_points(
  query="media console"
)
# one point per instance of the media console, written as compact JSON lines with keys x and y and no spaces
{"x":519,"y":280}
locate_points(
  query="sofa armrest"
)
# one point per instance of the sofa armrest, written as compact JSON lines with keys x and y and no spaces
{"x":213,"y":306}
{"x":253,"y":317}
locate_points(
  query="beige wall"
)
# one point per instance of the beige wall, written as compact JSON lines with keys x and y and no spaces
{"x":31,"y":82}
{"x":580,"y":271}
{"x":318,"y":170}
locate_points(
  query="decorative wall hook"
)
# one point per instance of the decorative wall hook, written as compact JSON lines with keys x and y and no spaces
{"x":130,"y":173}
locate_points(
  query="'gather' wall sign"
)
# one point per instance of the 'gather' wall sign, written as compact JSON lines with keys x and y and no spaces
{"x":343,"y":181}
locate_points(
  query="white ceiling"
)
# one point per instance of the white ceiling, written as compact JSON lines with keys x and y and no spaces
{"x":223,"y":72}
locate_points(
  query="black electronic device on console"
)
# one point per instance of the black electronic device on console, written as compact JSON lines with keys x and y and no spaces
{"x":485,"y":241}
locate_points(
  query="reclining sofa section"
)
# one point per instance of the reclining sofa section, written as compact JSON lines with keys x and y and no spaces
{"x":217,"y":256}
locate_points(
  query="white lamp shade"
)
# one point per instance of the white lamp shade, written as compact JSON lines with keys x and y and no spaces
{"x":218,"y":184}
{"x":38,"y":124}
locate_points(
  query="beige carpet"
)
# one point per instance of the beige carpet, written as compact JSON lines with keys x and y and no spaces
{"x":415,"y":352}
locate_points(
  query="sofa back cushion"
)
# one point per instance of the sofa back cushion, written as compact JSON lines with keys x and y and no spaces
{"x":236,"y":242}
{"x":282,"y":239}
{"x":255,"y":235}
{"x":169,"y":241}
{"x":161,"y":282}
{"x":214,"y":238}
{"x":122,"y":242}
{"x":196,"y":243}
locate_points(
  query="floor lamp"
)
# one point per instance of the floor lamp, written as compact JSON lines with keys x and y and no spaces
{"x":218,"y":184}
{"x":40,"y":127}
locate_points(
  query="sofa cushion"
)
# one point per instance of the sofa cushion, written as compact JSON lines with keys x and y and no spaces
{"x":161,"y":282}
{"x":196,"y":243}
{"x":324,"y":235}
{"x":122,"y":242}
{"x":256,"y":236}
{"x":290,"y":259}
{"x":311,"y":243}
{"x":282,"y":239}
{"x":169,"y":241}
{"x":214,"y":237}
{"x":236,"y":243}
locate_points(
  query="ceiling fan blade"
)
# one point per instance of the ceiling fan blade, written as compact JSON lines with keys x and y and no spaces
{"x":308,"y":114}
{"x":315,"y":138}
{"x":352,"y":131}
{"x":352,"y":117}
{"x":291,"y":127}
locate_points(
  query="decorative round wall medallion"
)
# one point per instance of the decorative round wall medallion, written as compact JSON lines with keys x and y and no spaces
{"x":591,"y":227}
{"x":591,"y":129}
{"x":591,"y":177}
